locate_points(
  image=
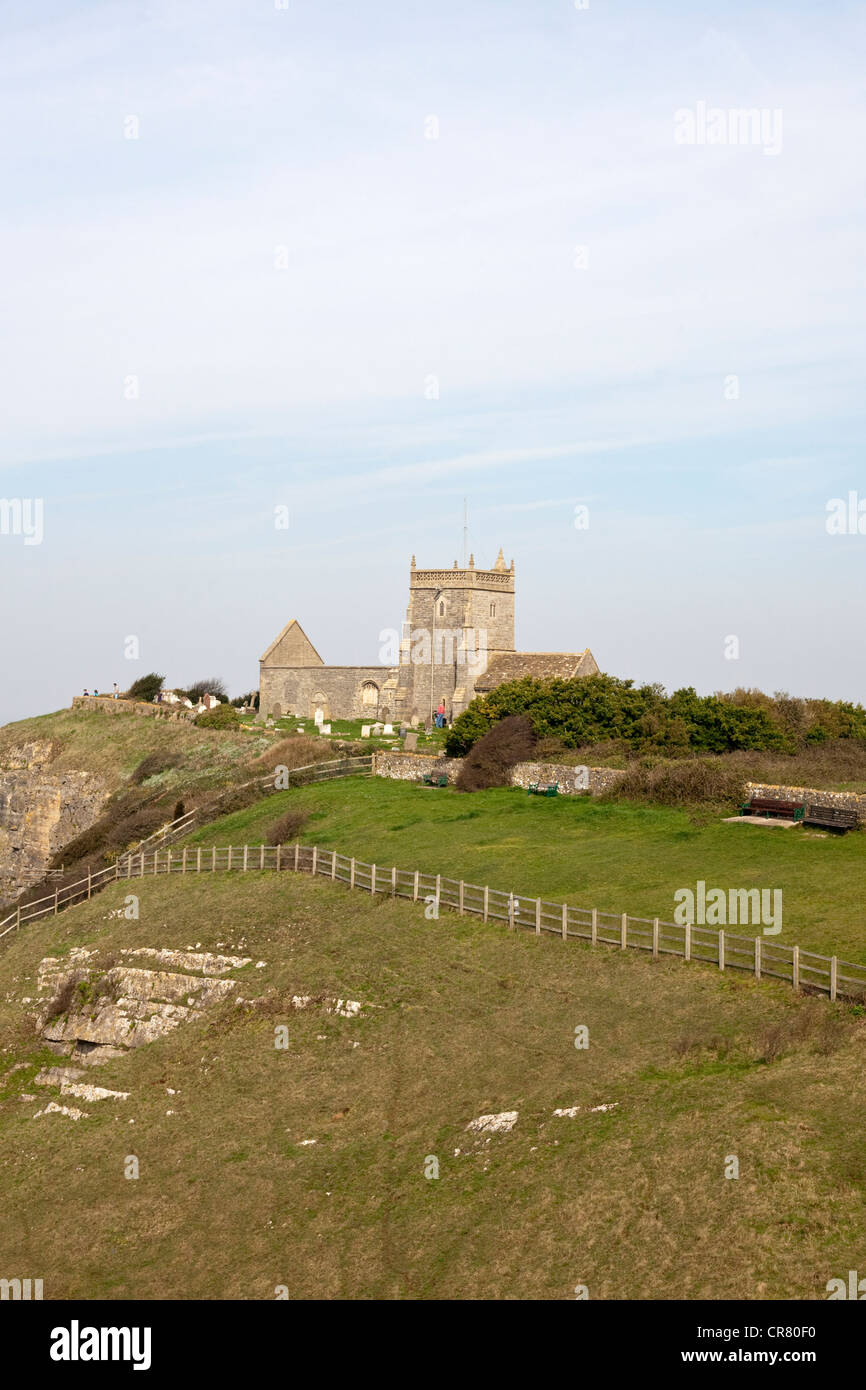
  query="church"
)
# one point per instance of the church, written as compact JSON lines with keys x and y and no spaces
{"x":457,"y":642}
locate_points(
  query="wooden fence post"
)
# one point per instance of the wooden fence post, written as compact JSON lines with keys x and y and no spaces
{"x":438,"y":892}
{"x":198,"y":860}
{"x":511,"y":909}
{"x":373,"y":879}
{"x":55,"y":900}
{"x":721,"y":949}
{"x":262,"y":859}
{"x":183,"y":867}
{"x":687,"y":950}
{"x":279,"y":847}
{"x":155,"y":860}
{"x":18,"y":919}
{"x":757,"y":958}
{"x":213,"y":861}
{"x":394,"y":881}
{"x":538,"y":917}
{"x":460,"y":904}
{"x":333,"y":863}
{"x":833,"y":974}
{"x":142,"y":864}
{"x":565,"y":921}
{"x":624,"y":932}
{"x":486,"y":896}
{"x":297,"y":856}
{"x":315,"y":859}
{"x":246,"y":856}
{"x":352,"y":874}
{"x":415,"y":888}
{"x":655,"y":938}
{"x":88,"y":885}
{"x":595,"y":926}
{"x":795,"y":969}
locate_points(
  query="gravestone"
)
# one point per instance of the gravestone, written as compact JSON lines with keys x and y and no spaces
{"x":324,"y":728}
{"x":300,"y":729}
{"x":414,"y":721}
{"x":277,"y":711}
{"x":377,"y":730}
{"x":319,"y":717}
{"x":410,"y":743}
{"x":365,"y":731}
{"x":388,"y":729}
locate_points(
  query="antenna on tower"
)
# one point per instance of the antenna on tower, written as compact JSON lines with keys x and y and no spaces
{"x":465,"y":534}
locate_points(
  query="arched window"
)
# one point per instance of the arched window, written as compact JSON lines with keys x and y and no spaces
{"x":369,"y":693}
{"x":442,"y":609}
{"x":493,"y":610}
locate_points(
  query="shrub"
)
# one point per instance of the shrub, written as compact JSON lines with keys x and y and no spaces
{"x":153,"y":765}
{"x":696,"y":780}
{"x":222,"y":717}
{"x":288,"y":827}
{"x":212,"y":686}
{"x":490,"y":760}
{"x":145,"y":688}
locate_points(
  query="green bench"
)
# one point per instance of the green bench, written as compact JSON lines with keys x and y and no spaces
{"x":544,"y":789}
{"x":433,"y":779}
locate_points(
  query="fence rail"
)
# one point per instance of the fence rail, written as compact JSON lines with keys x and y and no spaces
{"x":758,"y":955}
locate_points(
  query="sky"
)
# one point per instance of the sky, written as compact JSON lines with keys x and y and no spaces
{"x":355,"y":264}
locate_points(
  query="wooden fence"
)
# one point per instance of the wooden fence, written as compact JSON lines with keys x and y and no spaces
{"x":759,"y":956}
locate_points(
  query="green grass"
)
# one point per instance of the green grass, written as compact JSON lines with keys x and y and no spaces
{"x":469,"y":1019}
{"x":617,"y":857}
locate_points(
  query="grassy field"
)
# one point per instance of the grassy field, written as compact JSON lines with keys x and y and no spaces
{"x":618,"y":857}
{"x":631,"y":1202}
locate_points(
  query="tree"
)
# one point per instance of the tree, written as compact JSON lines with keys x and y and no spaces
{"x":212,"y":686}
{"x":146,"y":687}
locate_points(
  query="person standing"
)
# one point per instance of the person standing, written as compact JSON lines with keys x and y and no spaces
{"x":440,"y":715}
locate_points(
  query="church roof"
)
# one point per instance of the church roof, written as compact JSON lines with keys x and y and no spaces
{"x":299,"y":650}
{"x":540,"y":666}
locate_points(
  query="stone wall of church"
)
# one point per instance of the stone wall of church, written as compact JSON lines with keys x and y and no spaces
{"x":299,"y":691}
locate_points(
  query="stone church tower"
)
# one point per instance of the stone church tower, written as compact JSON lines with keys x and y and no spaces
{"x":457,"y":620}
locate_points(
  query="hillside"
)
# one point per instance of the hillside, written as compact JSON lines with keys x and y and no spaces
{"x":618,"y":857}
{"x":460,"y":1020}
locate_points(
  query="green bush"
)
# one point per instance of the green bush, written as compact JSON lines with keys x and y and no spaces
{"x":644,"y":719}
{"x":145,"y":688}
{"x":221,"y":717}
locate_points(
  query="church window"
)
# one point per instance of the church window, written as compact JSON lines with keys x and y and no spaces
{"x":369,"y":693}
{"x":493,"y":610}
{"x":442,"y":609}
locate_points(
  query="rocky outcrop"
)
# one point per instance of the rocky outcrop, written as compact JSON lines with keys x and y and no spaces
{"x":40,"y":811}
{"x":107,"y":1012}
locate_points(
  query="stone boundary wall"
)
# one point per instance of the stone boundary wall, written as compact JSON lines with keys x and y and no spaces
{"x":109,"y":705}
{"x":848,"y":801}
{"x":409,"y":767}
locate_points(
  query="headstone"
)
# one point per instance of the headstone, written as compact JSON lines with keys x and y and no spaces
{"x":365,"y":731}
{"x":270,"y":724}
{"x":300,"y":728}
{"x":410,"y":743}
{"x":388,"y":729}
{"x":414,"y":721}
{"x":319,"y":716}
{"x":324,"y":728}
{"x":277,"y":711}
{"x":378,"y":729}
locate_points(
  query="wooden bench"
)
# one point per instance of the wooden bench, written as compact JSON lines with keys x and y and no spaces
{"x":432,"y":779}
{"x":543,"y":789}
{"x":766,"y":807}
{"x":832,"y":817}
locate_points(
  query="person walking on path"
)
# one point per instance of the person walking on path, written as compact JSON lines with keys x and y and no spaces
{"x":440,"y":715}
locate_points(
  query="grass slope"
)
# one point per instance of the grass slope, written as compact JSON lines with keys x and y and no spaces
{"x":470,"y":1019}
{"x":618,"y":857}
